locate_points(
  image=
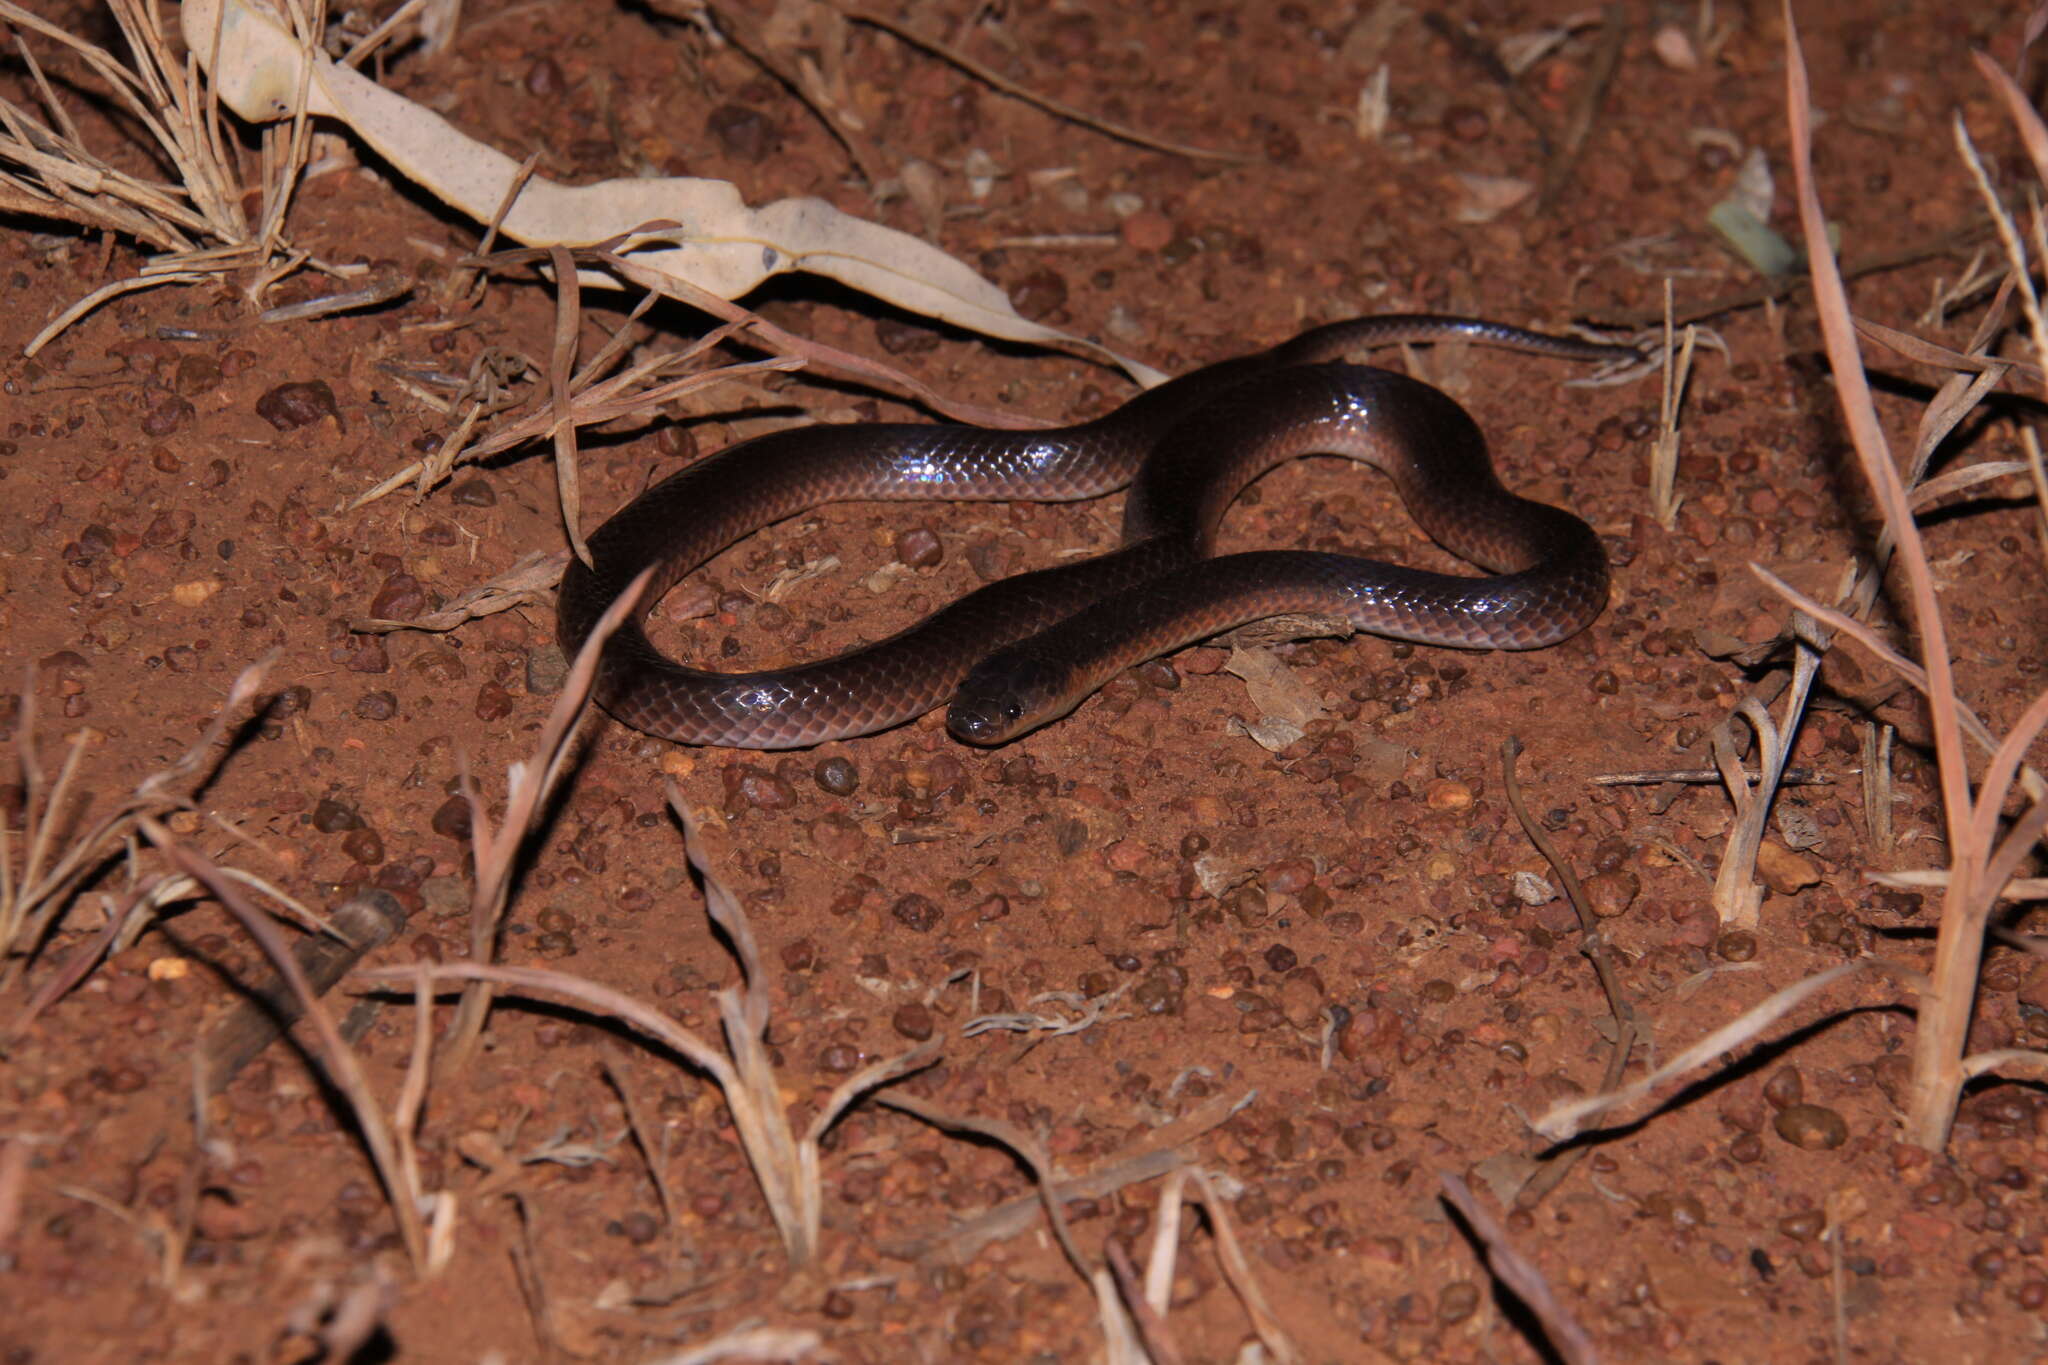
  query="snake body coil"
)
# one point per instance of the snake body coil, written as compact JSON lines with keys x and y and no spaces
{"x":1025,"y":650}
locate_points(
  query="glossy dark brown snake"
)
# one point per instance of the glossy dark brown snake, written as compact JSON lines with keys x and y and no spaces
{"x":1028,"y":649}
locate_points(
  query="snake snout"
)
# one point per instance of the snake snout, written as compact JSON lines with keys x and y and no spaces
{"x":1006,"y":695}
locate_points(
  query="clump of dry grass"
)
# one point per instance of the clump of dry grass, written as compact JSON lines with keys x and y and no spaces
{"x":1986,"y":847}
{"x":196,"y":222}
{"x":787,"y":1166}
{"x":41,"y":883}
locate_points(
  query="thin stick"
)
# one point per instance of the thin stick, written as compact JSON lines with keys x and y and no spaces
{"x":1738,"y":896}
{"x":657,"y":1167}
{"x":1877,"y":785}
{"x":1564,"y":1120}
{"x":1651,"y":777}
{"x":367,"y":920}
{"x":997,"y":81}
{"x":1784,"y":287}
{"x":2031,"y":443}
{"x":1586,"y":101}
{"x":1018,"y":1141}
{"x":1157,"y":1337}
{"x":1238,"y":1270}
{"x":568,"y":317}
{"x":1593,"y":944}
{"x":1520,"y":1275}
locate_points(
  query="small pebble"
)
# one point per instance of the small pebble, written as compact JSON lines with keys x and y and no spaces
{"x":1159,"y":673}
{"x":402,"y":598}
{"x":291,"y":406}
{"x":1812,"y":1126}
{"x":377,"y":705}
{"x":763,"y":790}
{"x":332,"y":817}
{"x":1146,"y":231}
{"x":1458,"y":1301}
{"x":913,"y":1021}
{"x":1737,"y":945}
{"x":451,"y":819}
{"x":1785,"y":1088}
{"x":1611,"y":893}
{"x":364,"y":846}
{"x":836,"y":776}
{"x":1783,"y":871}
{"x":1448,"y":794}
{"x":919,"y":547}
{"x":1802,"y":1226}
{"x":744,"y":132}
{"x":915,"y":913}
{"x":473,"y":493}
{"x":493,"y":701}
{"x":547,"y":668}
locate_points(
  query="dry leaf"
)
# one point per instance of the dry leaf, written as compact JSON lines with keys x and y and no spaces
{"x":719,"y":244}
{"x":1483,"y":198}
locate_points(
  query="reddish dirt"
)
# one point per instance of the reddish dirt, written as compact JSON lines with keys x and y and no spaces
{"x":1368,"y":869}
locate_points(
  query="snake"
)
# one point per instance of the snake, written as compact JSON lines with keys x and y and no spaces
{"x":1025,"y":650}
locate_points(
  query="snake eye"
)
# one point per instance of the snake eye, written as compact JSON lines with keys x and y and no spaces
{"x":1013,"y":710}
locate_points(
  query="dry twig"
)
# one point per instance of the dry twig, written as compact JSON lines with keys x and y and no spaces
{"x":1593,"y":944}
{"x":1520,"y":1275}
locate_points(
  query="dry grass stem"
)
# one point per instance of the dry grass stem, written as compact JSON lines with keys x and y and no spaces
{"x":1770,"y":292}
{"x":79,"y":964}
{"x":1236,"y":1269}
{"x":1664,"y":497}
{"x":817,"y":357}
{"x":527,"y":581}
{"x":1138,"y":1332}
{"x":2031,"y":782}
{"x":1520,"y":1275}
{"x":1877,"y":785}
{"x":765,"y":1345}
{"x":2038,"y":475}
{"x":2015,"y":889}
{"x":568,"y":323}
{"x":1587,"y":98}
{"x":1651,"y":777}
{"x":1738,"y":896}
{"x":496,"y":850}
{"x":1027,"y":1149}
{"x":14,"y":1162}
{"x":400,"y":1177}
{"x":786,"y":1167}
{"x":1926,"y":352}
{"x":269,"y":1007}
{"x":1566,"y":1119}
{"x":653,"y":1153}
{"x":959,"y":1243}
{"x":158,"y":1233}
{"x":584,"y":397}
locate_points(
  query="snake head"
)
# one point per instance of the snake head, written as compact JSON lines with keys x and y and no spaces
{"x":1008,"y":694}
